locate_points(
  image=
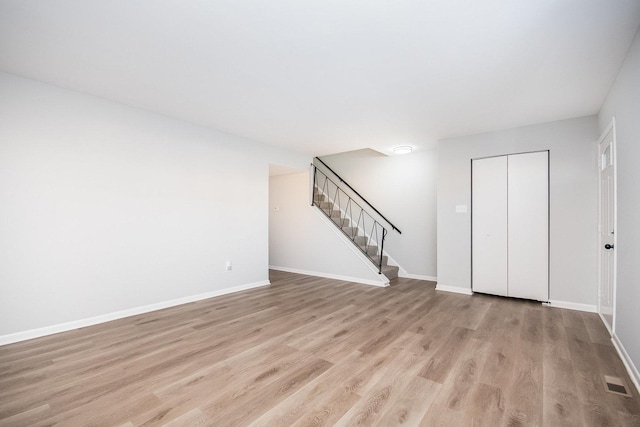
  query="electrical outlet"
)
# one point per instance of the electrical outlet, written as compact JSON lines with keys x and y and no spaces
{"x":229,"y":266}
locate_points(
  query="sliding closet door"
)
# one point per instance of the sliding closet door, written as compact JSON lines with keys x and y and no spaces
{"x":489,"y":225}
{"x":528,"y":218}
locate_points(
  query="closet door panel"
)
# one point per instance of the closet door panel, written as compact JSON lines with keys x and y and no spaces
{"x":528,"y":230}
{"x":489,"y":225}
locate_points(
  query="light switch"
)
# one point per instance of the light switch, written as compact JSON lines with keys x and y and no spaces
{"x":461,"y":208}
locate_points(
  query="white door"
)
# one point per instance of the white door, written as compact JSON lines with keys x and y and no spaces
{"x":489,"y":225}
{"x":528,"y":213}
{"x":510,"y":225}
{"x":606,"y":291}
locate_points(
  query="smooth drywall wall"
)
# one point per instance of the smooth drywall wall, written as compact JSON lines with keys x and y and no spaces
{"x":573,"y":203}
{"x":300,"y":239}
{"x":105,"y":208}
{"x":403,"y":188}
{"x":623,"y":103}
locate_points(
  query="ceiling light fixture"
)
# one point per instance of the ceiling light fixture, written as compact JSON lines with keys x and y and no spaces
{"x":402,"y":149}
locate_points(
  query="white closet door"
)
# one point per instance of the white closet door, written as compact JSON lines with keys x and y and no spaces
{"x":489,"y":225}
{"x":528,"y":218}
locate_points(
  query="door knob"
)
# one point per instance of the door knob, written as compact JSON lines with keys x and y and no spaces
{"x":608,"y":246}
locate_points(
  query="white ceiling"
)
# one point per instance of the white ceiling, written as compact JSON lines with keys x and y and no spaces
{"x":327,"y":76}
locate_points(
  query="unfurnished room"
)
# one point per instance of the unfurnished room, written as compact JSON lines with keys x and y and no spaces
{"x":319,"y":213}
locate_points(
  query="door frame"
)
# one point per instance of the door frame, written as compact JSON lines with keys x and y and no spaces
{"x":611,"y":127}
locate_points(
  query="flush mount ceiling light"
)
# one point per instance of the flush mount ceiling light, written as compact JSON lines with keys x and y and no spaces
{"x":402,"y":149}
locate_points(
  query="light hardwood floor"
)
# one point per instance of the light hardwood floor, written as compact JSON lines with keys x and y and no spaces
{"x":307,"y":351}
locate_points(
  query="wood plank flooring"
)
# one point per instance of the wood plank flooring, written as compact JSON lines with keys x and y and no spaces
{"x":307,"y":351}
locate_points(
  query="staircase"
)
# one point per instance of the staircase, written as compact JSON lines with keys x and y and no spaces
{"x":367,"y":234}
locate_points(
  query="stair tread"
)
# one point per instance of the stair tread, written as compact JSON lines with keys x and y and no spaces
{"x":376,"y":258}
{"x":390,"y":271}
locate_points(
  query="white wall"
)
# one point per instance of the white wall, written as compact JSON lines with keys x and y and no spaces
{"x":573,"y":203}
{"x":106,"y":208}
{"x":623,"y":102}
{"x":302,"y":240}
{"x":403,"y":188}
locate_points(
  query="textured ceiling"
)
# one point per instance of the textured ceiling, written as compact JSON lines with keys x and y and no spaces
{"x":329,"y":76}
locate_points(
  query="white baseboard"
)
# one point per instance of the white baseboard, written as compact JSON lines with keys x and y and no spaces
{"x":454,"y":289}
{"x":571,"y":306}
{"x":632,"y":370}
{"x":383,"y":281}
{"x":68,"y":326}
{"x":417,"y":276}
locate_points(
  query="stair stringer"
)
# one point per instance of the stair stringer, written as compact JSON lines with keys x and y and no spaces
{"x":384,"y":281}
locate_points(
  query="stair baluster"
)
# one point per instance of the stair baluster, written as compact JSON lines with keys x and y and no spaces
{"x":352,"y":219}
